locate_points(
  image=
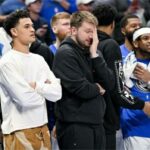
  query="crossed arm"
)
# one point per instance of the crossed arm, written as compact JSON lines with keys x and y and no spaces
{"x":30,"y":94}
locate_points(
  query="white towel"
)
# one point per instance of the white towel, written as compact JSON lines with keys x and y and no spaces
{"x":129,"y":66}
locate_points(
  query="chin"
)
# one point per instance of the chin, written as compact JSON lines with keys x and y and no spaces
{"x":88,"y":45}
{"x":33,"y":39}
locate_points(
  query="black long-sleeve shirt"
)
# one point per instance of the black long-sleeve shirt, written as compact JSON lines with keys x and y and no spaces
{"x":117,"y":97}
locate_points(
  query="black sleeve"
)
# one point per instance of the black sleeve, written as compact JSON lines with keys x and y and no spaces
{"x":67,"y":67}
{"x":50,"y":58}
{"x":103,"y":74}
{"x":119,"y":95}
{"x":122,"y":95}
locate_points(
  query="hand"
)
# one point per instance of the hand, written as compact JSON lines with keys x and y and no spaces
{"x":93,"y":47}
{"x":141,"y":74}
{"x":146,"y":108}
{"x":101,"y":89}
{"x":54,"y":132}
{"x":40,"y":32}
{"x":32,"y":84}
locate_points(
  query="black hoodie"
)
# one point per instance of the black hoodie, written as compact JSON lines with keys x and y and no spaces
{"x":81,"y":101}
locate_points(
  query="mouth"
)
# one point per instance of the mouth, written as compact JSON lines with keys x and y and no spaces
{"x":148,"y":46}
{"x":33,"y":35}
{"x":90,"y":41}
{"x":68,"y":33}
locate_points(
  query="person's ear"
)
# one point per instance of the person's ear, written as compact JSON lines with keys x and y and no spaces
{"x":55,"y":30}
{"x":135,"y":43}
{"x":73,"y":31}
{"x":123,"y":31}
{"x":13,"y":32}
{"x":113,"y":25}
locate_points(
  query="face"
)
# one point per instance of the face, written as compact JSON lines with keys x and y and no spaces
{"x":24,"y":32}
{"x":35,"y":7}
{"x":143,"y":44}
{"x":62,"y":28}
{"x":84,"y":34}
{"x":132,"y":25}
{"x":85,"y":7}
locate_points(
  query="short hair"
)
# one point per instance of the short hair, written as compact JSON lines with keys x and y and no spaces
{"x":13,"y":19}
{"x":105,"y":14}
{"x":57,"y":16}
{"x":124,"y":20}
{"x":79,"y":17}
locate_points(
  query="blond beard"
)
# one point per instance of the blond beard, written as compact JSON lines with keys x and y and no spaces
{"x":61,"y":36}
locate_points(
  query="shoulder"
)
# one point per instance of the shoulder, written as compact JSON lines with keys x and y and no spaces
{"x":36,"y":56}
{"x":109,"y":43}
{"x":38,"y":60}
{"x":112,"y":42}
{"x":6,"y":58}
{"x":7,"y":61}
{"x":130,"y":58}
{"x":122,"y":46}
{"x":65,"y":50}
{"x":109,"y":46}
{"x":65,"y":55}
{"x":130,"y":55}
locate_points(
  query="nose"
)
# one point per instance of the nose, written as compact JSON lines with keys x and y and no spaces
{"x":137,"y":27}
{"x":91,"y":36}
{"x":32,"y":29}
{"x":149,"y":39}
{"x":69,"y":29}
{"x":68,"y":26}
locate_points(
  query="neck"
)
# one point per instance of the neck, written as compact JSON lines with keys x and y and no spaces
{"x":142,"y":55}
{"x":105,"y":29}
{"x":128,"y":45}
{"x":74,"y":39}
{"x":21,"y":48}
{"x":57,"y":43}
{"x":34,"y":16}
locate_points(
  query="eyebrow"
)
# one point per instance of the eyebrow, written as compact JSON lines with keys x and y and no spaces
{"x":145,"y":35}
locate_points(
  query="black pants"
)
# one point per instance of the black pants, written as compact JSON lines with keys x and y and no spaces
{"x":80,"y":136}
{"x":111,"y":141}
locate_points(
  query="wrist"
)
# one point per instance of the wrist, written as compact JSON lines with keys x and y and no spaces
{"x":94,"y":55}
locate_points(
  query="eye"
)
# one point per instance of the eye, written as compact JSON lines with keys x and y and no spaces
{"x":88,"y":31}
{"x":66,"y":24}
{"x":145,"y":38}
{"x":27,"y":26}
